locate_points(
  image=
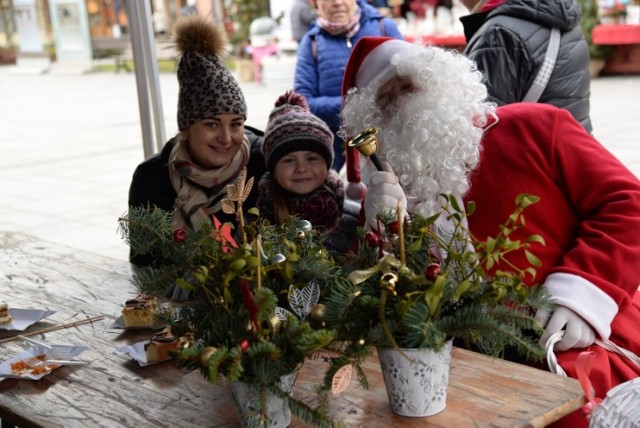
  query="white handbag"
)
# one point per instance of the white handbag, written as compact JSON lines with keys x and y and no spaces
{"x":619,"y":409}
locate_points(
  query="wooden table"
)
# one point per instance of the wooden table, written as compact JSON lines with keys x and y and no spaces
{"x":113,"y":390}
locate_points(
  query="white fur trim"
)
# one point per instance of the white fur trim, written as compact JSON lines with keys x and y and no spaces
{"x":377,"y":63}
{"x":585,"y":299}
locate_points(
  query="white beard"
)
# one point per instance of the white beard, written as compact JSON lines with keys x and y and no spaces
{"x":429,"y":150}
{"x":430,"y":138}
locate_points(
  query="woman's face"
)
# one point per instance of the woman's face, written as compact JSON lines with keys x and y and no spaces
{"x":301,"y":172}
{"x":338,"y":11}
{"x":212,"y":143}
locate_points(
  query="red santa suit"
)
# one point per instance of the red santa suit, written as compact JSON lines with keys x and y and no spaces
{"x":588,"y":214}
{"x":589,"y":209}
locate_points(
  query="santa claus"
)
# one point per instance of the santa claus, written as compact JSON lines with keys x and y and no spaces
{"x":438,"y":134}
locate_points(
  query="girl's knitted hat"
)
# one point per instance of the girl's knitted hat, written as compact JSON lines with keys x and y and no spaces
{"x":292,"y":128}
{"x":207,"y":87}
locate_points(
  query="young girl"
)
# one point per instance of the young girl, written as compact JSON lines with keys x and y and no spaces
{"x":298,"y":151}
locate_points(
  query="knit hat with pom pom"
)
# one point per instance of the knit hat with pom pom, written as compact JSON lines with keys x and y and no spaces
{"x":207,"y":87}
{"x":293,"y":128}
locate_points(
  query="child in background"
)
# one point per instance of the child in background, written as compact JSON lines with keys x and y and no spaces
{"x":298,"y":151}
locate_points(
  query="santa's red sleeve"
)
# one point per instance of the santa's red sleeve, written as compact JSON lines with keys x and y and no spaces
{"x":589,"y":216}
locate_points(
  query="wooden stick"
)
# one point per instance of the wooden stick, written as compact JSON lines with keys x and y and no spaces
{"x":54,"y":328}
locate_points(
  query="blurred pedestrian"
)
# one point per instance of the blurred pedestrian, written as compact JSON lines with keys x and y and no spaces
{"x":508,"y":41}
{"x":302,"y":15}
{"x":323,"y":54}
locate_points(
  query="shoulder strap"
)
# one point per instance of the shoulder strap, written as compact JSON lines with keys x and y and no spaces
{"x":314,"y":48}
{"x":381,"y":23}
{"x":540,"y":82}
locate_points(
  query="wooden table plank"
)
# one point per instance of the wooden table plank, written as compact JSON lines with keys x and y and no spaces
{"x":115,"y":391}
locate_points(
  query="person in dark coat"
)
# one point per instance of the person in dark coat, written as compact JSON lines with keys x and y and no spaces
{"x":188,"y":178}
{"x":508,"y":39}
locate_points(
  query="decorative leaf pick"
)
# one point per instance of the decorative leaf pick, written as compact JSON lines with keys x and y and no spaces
{"x":237,"y":193}
{"x":341,"y":379}
{"x":301,"y":301}
{"x":222,"y":233}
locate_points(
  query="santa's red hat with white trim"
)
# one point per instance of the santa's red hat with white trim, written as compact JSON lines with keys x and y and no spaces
{"x":368,"y":62}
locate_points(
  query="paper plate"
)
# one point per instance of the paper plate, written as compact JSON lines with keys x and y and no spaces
{"x":69,"y":352}
{"x":25,"y":318}
{"x":136,"y":351}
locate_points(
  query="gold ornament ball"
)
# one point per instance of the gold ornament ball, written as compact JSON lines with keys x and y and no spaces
{"x":274,"y":321}
{"x":301,"y":234}
{"x":206,"y":354}
{"x":317,"y":315}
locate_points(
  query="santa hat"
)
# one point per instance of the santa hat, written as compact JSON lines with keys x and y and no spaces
{"x":369,"y":61}
{"x":207,"y":87}
{"x":293,"y":128}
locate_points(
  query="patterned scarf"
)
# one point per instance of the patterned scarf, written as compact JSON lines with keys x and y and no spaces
{"x":349,"y":29}
{"x":322,"y":207}
{"x":200,"y":191}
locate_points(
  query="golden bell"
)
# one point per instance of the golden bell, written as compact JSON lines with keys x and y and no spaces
{"x":365,"y":142}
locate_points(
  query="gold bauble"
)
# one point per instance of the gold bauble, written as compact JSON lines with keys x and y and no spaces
{"x":206,"y":354}
{"x":317,"y":315}
{"x":274,"y":322}
{"x":389,"y":281}
{"x":301,"y":234}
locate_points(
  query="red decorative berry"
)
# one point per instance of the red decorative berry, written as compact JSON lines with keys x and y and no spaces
{"x":180,"y":235}
{"x":432,"y":271}
{"x":244,"y":345}
{"x":371,"y":239}
{"x":394,"y":228}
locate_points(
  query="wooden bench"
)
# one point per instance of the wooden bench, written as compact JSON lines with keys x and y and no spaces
{"x":107,"y":47}
{"x":165,"y":51}
{"x":119,"y":48}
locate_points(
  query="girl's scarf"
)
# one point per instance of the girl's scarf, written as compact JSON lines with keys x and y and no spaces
{"x":349,"y":29}
{"x":322,"y":207}
{"x":200,"y":191}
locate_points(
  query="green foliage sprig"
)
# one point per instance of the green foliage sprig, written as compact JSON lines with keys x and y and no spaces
{"x":449,"y":286}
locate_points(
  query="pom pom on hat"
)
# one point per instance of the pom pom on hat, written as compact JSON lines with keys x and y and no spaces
{"x":292,"y":128}
{"x":207,"y":87}
{"x":369,"y":61}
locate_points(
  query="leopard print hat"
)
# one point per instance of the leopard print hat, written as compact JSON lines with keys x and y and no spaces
{"x":207,"y":87}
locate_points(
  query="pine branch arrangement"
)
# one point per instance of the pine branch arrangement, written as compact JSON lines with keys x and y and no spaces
{"x":412,"y":286}
{"x":255,"y":307}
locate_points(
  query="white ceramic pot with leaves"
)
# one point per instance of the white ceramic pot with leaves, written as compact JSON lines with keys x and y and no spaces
{"x":416,"y":379}
{"x":248,"y":399}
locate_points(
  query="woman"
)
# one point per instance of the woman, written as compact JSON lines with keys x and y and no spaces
{"x":189,"y":177}
{"x":323,"y":54}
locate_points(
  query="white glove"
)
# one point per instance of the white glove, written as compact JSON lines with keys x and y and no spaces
{"x":383,"y":193}
{"x":578,"y":333}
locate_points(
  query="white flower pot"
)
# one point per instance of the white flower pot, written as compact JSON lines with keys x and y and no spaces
{"x":416,"y":386}
{"x":247,"y":399}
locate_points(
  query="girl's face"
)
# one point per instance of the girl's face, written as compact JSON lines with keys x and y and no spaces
{"x":301,"y":172}
{"x":338,"y":11}
{"x":213,"y":142}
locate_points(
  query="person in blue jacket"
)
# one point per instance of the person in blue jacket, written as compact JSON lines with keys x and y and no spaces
{"x":323,"y":53}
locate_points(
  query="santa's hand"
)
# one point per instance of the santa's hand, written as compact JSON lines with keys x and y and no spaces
{"x":383,"y":194}
{"x":578,"y":333}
